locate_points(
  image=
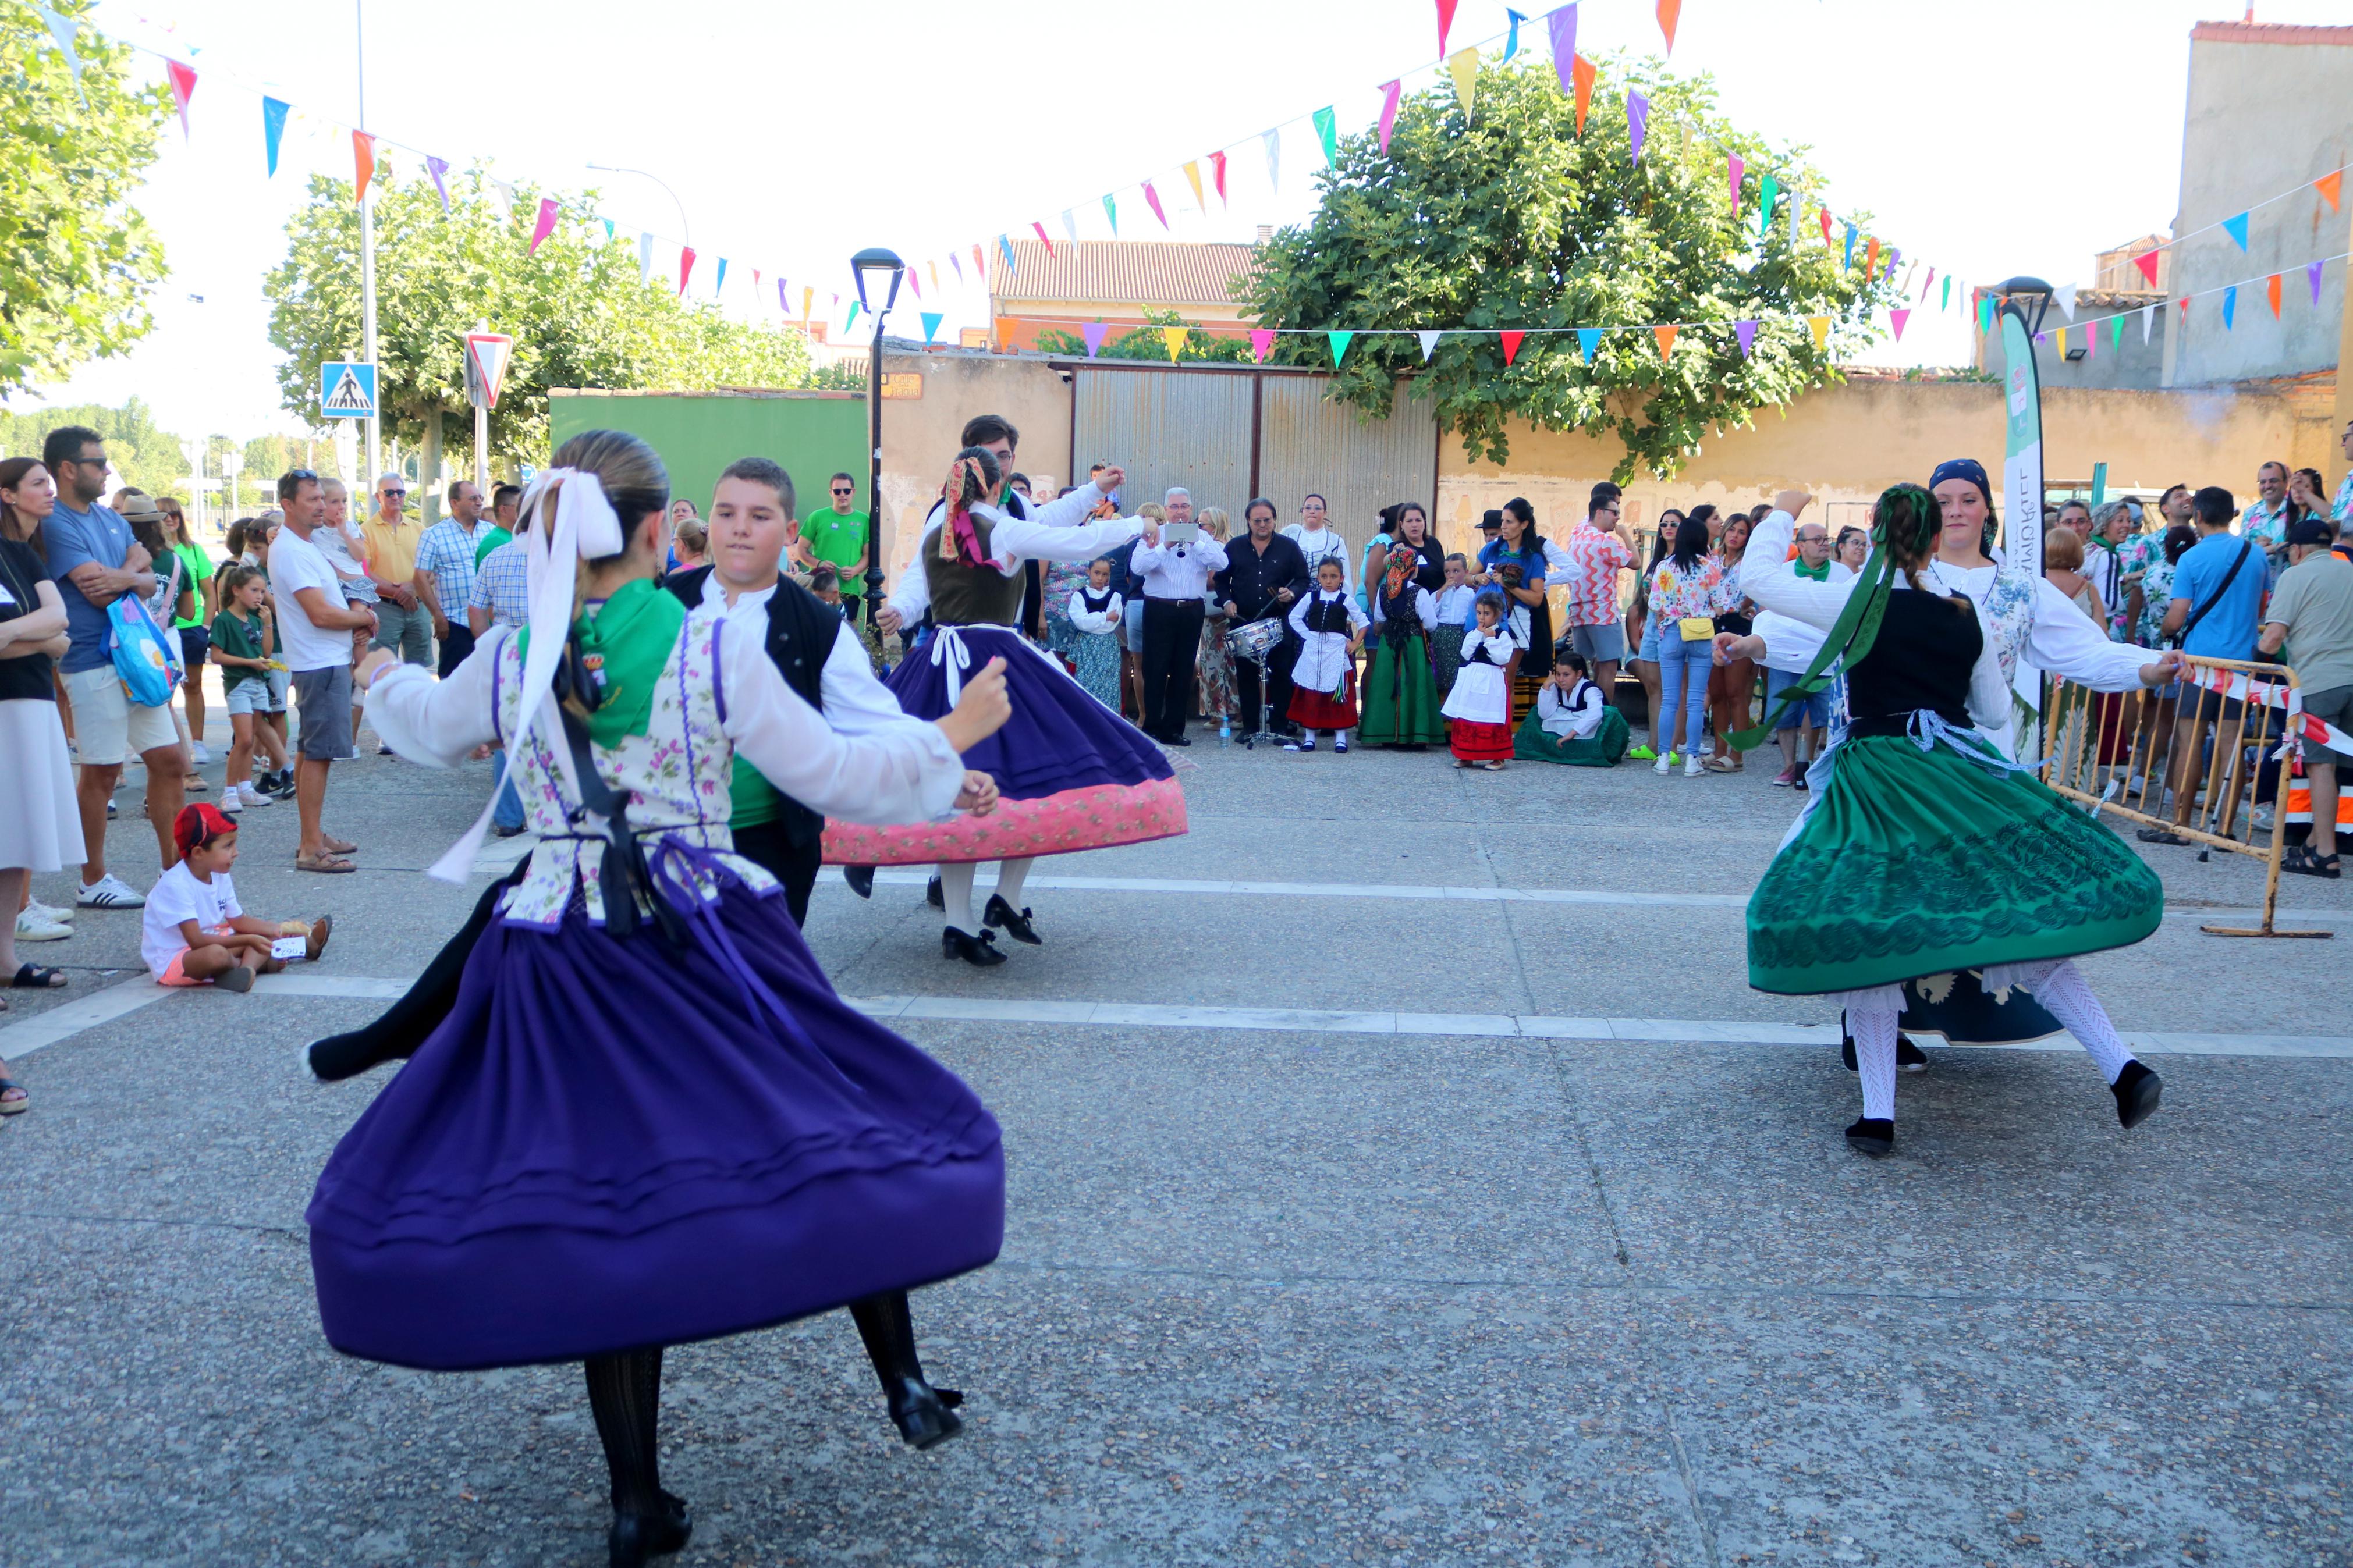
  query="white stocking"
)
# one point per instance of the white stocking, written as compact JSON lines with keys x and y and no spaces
{"x":956,"y":893}
{"x":1874,"y":1029}
{"x":1010,"y":875}
{"x":2060,"y":987}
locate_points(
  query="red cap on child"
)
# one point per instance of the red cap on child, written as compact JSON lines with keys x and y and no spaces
{"x":199,"y":822}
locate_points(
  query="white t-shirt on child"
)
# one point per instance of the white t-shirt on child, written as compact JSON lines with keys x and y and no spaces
{"x":177,"y":896}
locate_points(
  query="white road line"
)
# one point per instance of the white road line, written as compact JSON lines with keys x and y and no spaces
{"x":105,"y":1007}
{"x":1603,"y":898}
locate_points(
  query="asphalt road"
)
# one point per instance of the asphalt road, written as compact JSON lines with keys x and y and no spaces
{"x":1401,"y":1172}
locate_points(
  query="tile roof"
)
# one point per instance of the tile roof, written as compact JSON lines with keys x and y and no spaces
{"x":1121,"y":272}
{"x":2269,"y":33}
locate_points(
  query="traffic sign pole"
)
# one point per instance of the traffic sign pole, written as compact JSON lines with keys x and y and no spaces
{"x":487,"y":353}
{"x":367,"y":258}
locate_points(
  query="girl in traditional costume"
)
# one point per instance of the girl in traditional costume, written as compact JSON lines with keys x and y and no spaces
{"x":1401,"y":694}
{"x":1094,"y":616}
{"x":1455,"y":599}
{"x":1569,"y":722}
{"x":1923,"y":848}
{"x":646,"y":1117}
{"x":1072,"y":773}
{"x":1330,"y":629}
{"x":1481,"y":704}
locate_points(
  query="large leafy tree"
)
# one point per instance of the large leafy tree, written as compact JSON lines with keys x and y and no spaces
{"x":579,"y":313}
{"x":76,"y":262}
{"x":1514,"y":220}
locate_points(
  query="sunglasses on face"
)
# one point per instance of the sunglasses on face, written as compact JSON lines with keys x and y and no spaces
{"x":844,"y":491}
{"x":394,"y":494}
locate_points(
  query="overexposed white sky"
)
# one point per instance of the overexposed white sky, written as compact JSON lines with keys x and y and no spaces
{"x":2001,"y":137}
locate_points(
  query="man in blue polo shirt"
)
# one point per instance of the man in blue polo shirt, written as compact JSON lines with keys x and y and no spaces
{"x":96,"y":562}
{"x":2218,"y":598}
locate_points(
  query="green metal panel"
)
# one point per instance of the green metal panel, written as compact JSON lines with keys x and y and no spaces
{"x":814,"y":435}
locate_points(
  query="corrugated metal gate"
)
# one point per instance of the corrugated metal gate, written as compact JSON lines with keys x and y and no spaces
{"x":1228,"y":433}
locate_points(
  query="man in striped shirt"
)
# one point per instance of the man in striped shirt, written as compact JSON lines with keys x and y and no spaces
{"x":445,"y":571}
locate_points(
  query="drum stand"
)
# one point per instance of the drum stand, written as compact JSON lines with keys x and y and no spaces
{"x":1265,"y":708}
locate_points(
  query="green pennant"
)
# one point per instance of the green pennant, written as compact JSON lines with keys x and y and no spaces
{"x":2115,"y":331}
{"x":1340,"y":342}
{"x":1328,"y":130}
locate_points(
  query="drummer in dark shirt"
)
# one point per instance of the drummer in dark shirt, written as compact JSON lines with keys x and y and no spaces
{"x":1264,"y":573}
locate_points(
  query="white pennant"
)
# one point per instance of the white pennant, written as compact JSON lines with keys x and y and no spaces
{"x":645,"y":256}
{"x":62,"y":30}
{"x":506,"y":197}
{"x":2066,"y":297}
{"x":2147,"y":319}
{"x":1428,"y":345}
{"x":1070,"y":225}
{"x":1274,"y":140}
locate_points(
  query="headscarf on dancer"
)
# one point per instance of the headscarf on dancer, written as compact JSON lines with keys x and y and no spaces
{"x":972,"y":477}
{"x":1972,"y":470}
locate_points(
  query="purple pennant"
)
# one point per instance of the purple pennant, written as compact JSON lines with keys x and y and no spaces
{"x":1746,"y":332}
{"x":1562,"y":25}
{"x":1093,"y":332}
{"x":1637,"y":118}
{"x":2312,"y":276}
{"x":438,"y":167}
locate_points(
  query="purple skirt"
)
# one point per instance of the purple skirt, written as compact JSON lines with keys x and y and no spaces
{"x":1059,"y":737}
{"x":609,"y":1145}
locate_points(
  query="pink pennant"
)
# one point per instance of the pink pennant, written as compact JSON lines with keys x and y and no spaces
{"x":1445,"y":21}
{"x":1746,"y":333}
{"x":545,"y":225}
{"x":183,"y":88}
{"x":1152,"y":199}
{"x":1390,"y":92}
{"x":1262,"y":339}
{"x":1041,"y":239}
{"x":1898,"y":318}
{"x":2146,"y":262}
{"x":1734,"y":167}
{"x":685,"y":266}
{"x":1093,"y":332}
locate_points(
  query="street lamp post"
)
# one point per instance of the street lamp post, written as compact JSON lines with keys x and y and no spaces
{"x":685,"y":235}
{"x":880,"y":266}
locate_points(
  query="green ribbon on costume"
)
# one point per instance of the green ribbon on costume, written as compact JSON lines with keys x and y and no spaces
{"x":626,"y":645}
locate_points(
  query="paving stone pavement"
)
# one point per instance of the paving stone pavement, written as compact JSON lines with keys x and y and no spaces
{"x":1273,"y":1295}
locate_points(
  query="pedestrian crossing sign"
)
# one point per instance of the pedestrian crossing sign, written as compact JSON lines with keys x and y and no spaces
{"x":347,"y":390}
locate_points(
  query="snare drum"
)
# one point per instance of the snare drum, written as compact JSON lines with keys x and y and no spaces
{"x":1255,"y":639}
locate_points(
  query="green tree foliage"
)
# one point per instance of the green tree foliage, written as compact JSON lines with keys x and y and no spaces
{"x":147,"y":456}
{"x":1147,"y":342}
{"x":76,"y":262}
{"x":577,"y":311}
{"x":1516,"y":221}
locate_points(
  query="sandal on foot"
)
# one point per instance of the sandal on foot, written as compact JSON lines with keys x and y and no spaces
{"x":338,"y":846}
{"x":330,"y":863}
{"x":32,"y":977}
{"x":314,"y":940}
{"x":22,"y":1103}
{"x":2304,"y":860}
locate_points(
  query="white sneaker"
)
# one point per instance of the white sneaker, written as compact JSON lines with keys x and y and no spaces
{"x":49,"y":911}
{"x":200,"y":753}
{"x":230,"y":805}
{"x":250,"y":795}
{"x":1694,"y":767}
{"x":1664,"y":766}
{"x":31,"y":927}
{"x":111,"y":893}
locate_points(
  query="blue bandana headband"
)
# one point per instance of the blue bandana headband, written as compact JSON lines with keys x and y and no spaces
{"x":1968,"y":469}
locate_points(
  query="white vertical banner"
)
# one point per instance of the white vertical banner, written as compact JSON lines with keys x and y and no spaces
{"x":2021,"y":484}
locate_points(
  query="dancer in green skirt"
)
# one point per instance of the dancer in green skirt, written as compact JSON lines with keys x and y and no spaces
{"x":1569,"y":722}
{"x":1400,"y":693}
{"x":1929,"y":850}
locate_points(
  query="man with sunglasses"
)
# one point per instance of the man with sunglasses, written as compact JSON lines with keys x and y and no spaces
{"x":403,"y":623}
{"x":836,"y":536}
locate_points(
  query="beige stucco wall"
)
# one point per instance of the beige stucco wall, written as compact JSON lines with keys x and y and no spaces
{"x":920,"y":435}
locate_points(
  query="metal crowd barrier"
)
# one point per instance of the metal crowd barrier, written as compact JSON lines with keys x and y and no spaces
{"x":2117,"y":753}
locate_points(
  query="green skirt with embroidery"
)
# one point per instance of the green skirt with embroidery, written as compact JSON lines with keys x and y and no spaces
{"x":1917,"y":862}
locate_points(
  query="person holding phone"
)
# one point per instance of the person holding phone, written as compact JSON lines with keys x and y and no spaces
{"x":1176,"y":564}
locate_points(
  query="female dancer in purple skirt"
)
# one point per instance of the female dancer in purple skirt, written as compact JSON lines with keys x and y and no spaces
{"x":1075,"y":776}
{"x":647,"y":1118}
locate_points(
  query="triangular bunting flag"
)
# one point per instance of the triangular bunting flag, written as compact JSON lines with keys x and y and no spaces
{"x":958,"y":262}
{"x":1589,"y":341}
{"x":1328,"y":131}
{"x":1746,"y":333}
{"x":1871,"y":259}
{"x":2066,"y":297}
{"x":782,"y":303}
{"x":1193,"y":178}
{"x":1445,"y":22}
{"x":2115,"y":331}
{"x":1850,"y":247}
{"x":1152,"y":200}
{"x":1262,"y":343}
{"x":1733,"y":166}
{"x":1769,"y":191}
{"x":1638,"y":117}
{"x":439,"y":169}
{"x":1272,"y":141}
{"x":1110,"y":211}
{"x":1005,"y":249}
{"x":1093,"y":332}
{"x":1897,"y":318}
{"x":1218,"y":177}
{"x":2091,"y":341}
{"x":1390,"y":93}
{"x":1946,"y":303}
{"x":506,"y":195}
{"x":544,"y":226}
{"x":1666,"y":336}
{"x":1463,"y":65}
{"x":1668,"y":10}
{"x":61,"y":29}
{"x":1036,"y":228}
{"x":1985,"y":312}
{"x":2146,"y":262}
{"x":1826,"y":226}
{"x":851,"y":320}
{"x":2229,"y":307}
{"x":273,"y":127}
{"x":2236,"y":227}
{"x":645,"y":257}
{"x":980,"y":265}
{"x":1428,"y":343}
{"x":1821,"y":327}
{"x":1174,"y":338}
{"x":1511,"y":20}
{"x":363,"y":164}
{"x":1561,"y":25}
{"x":719,"y":281}
{"x":2147,"y":320}
{"x":2271,"y":292}
{"x":809,"y":298}
{"x":685,"y":266}
{"x":2330,"y":186}
{"x":1339,"y":342}
{"x":1070,"y":227}
{"x":1511,"y":341}
{"x":931,"y":319}
{"x":183,"y":88}
{"x":2312,"y":276}
{"x":1586,"y":75}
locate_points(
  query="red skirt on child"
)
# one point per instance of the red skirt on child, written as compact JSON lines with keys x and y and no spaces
{"x":1322,"y":710}
{"x":1475,"y":742}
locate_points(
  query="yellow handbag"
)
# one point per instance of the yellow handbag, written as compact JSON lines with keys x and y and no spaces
{"x":1697,"y":628}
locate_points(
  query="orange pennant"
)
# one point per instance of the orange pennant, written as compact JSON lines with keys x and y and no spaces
{"x":1870,"y":259}
{"x":1582,"y":71}
{"x":1666,"y":336}
{"x":2271,"y":292}
{"x":364,"y":160}
{"x":2332,"y":185}
{"x":1668,"y":10}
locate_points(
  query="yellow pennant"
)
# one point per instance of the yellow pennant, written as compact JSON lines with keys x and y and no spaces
{"x":2058,"y":341}
{"x":1464,"y":66}
{"x":933,"y":268}
{"x":1821,"y":325}
{"x":1174,"y":338}
{"x":807,"y":296}
{"x":1193,"y":178}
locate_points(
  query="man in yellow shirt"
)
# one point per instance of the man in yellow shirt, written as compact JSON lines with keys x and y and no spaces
{"x":403,"y":624}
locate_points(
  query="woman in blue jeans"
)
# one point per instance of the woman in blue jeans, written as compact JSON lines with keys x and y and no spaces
{"x":1687,"y":593}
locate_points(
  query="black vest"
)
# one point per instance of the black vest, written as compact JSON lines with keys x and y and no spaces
{"x":801,"y":632}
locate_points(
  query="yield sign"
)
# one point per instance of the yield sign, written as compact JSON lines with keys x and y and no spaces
{"x":487,"y":354}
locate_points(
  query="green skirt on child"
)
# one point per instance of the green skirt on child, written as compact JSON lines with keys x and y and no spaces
{"x":1535,"y":743}
{"x":1401,"y":698}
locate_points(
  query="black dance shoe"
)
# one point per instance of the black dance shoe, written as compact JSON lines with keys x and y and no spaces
{"x":1909,"y":1057}
{"x":635,"y":1537}
{"x":1175,"y":738}
{"x":1017,"y":926}
{"x":860,"y":879}
{"x":925,"y":1416}
{"x":980,"y":951}
{"x":2137,"y":1090}
{"x":932,"y":896}
{"x":1872,"y":1137}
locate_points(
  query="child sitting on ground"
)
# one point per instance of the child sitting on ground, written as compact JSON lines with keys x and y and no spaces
{"x":194,"y":931}
{"x":1569,"y":722}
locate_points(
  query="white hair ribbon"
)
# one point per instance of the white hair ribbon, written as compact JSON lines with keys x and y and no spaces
{"x":584,"y":528}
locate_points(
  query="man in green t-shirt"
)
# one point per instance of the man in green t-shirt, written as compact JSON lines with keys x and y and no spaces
{"x":504,"y":501}
{"x":835,"y":534}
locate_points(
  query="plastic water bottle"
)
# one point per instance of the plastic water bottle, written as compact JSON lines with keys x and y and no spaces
{"x":1225,"y":732}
